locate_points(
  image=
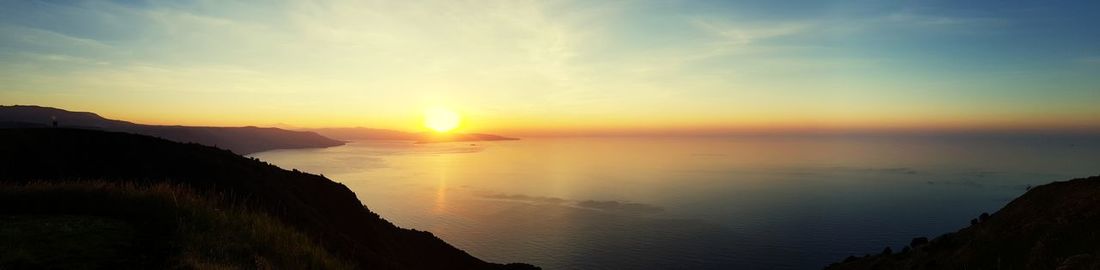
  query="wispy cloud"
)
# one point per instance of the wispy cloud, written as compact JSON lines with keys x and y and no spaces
{"x":514,"y":62}
{"x":737,"y":34}
{"x":918,"y":19}
{"x":1091,"y":60}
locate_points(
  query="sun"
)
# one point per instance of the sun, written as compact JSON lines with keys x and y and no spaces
{"x":441,"y":119}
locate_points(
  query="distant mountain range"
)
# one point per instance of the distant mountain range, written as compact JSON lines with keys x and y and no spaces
{"x":241,"y":140}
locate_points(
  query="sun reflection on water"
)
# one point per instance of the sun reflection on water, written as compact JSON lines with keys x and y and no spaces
{"x":443,"y":164}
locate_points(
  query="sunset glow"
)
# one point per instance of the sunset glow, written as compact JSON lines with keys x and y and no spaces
{"x":550,"y":134}
{"x":441,"y":120}
{"x":562,"y":67}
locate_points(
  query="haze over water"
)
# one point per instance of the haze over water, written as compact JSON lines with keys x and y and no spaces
{"x":797,"y":202}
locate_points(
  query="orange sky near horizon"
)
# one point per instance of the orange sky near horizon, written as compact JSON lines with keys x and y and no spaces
{"x":533,"y":68}
{"x":610,"y":125}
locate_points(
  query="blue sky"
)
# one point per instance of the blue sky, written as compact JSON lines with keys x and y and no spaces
{"x":554,"y":65}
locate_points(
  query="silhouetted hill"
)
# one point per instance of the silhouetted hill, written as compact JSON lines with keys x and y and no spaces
{"x":323,"y":209}
{"x":242,"y":140}
{"x":1053,"y":226}
{"x":360,"y":133}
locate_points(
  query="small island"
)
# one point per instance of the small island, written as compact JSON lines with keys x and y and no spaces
{"x":375,"y":134}
{"x":472,"y":137}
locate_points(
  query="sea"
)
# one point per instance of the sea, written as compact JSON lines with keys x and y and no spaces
{"x":704,"y":202}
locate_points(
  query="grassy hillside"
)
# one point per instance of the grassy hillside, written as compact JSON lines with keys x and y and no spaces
{"x":112,"y":225}
{"x":322,"y":209}
{"x":1053,"y":226}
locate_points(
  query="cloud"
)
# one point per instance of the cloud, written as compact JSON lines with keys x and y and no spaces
{"x":42,"y":38}
{"x":918,"y":19}
{"x":509,"y":63}
{"x":732,"y":34}
{"x":1090,"y":60}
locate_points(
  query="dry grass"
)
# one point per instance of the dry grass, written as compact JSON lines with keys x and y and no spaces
{"x":188,"y":230}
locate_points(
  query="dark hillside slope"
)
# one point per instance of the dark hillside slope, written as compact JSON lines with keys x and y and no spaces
{"x":1053,"y":226}
{"x":321,"y":208}
{"x":242,"y":140}
{"x":115,"y":225}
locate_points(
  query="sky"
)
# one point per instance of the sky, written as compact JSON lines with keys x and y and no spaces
{"x":550,"y":67}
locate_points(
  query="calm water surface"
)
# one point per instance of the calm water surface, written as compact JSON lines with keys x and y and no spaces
{"x":718,"y":203}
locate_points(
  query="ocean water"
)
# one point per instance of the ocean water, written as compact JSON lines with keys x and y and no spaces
{"x":692,"y":203}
